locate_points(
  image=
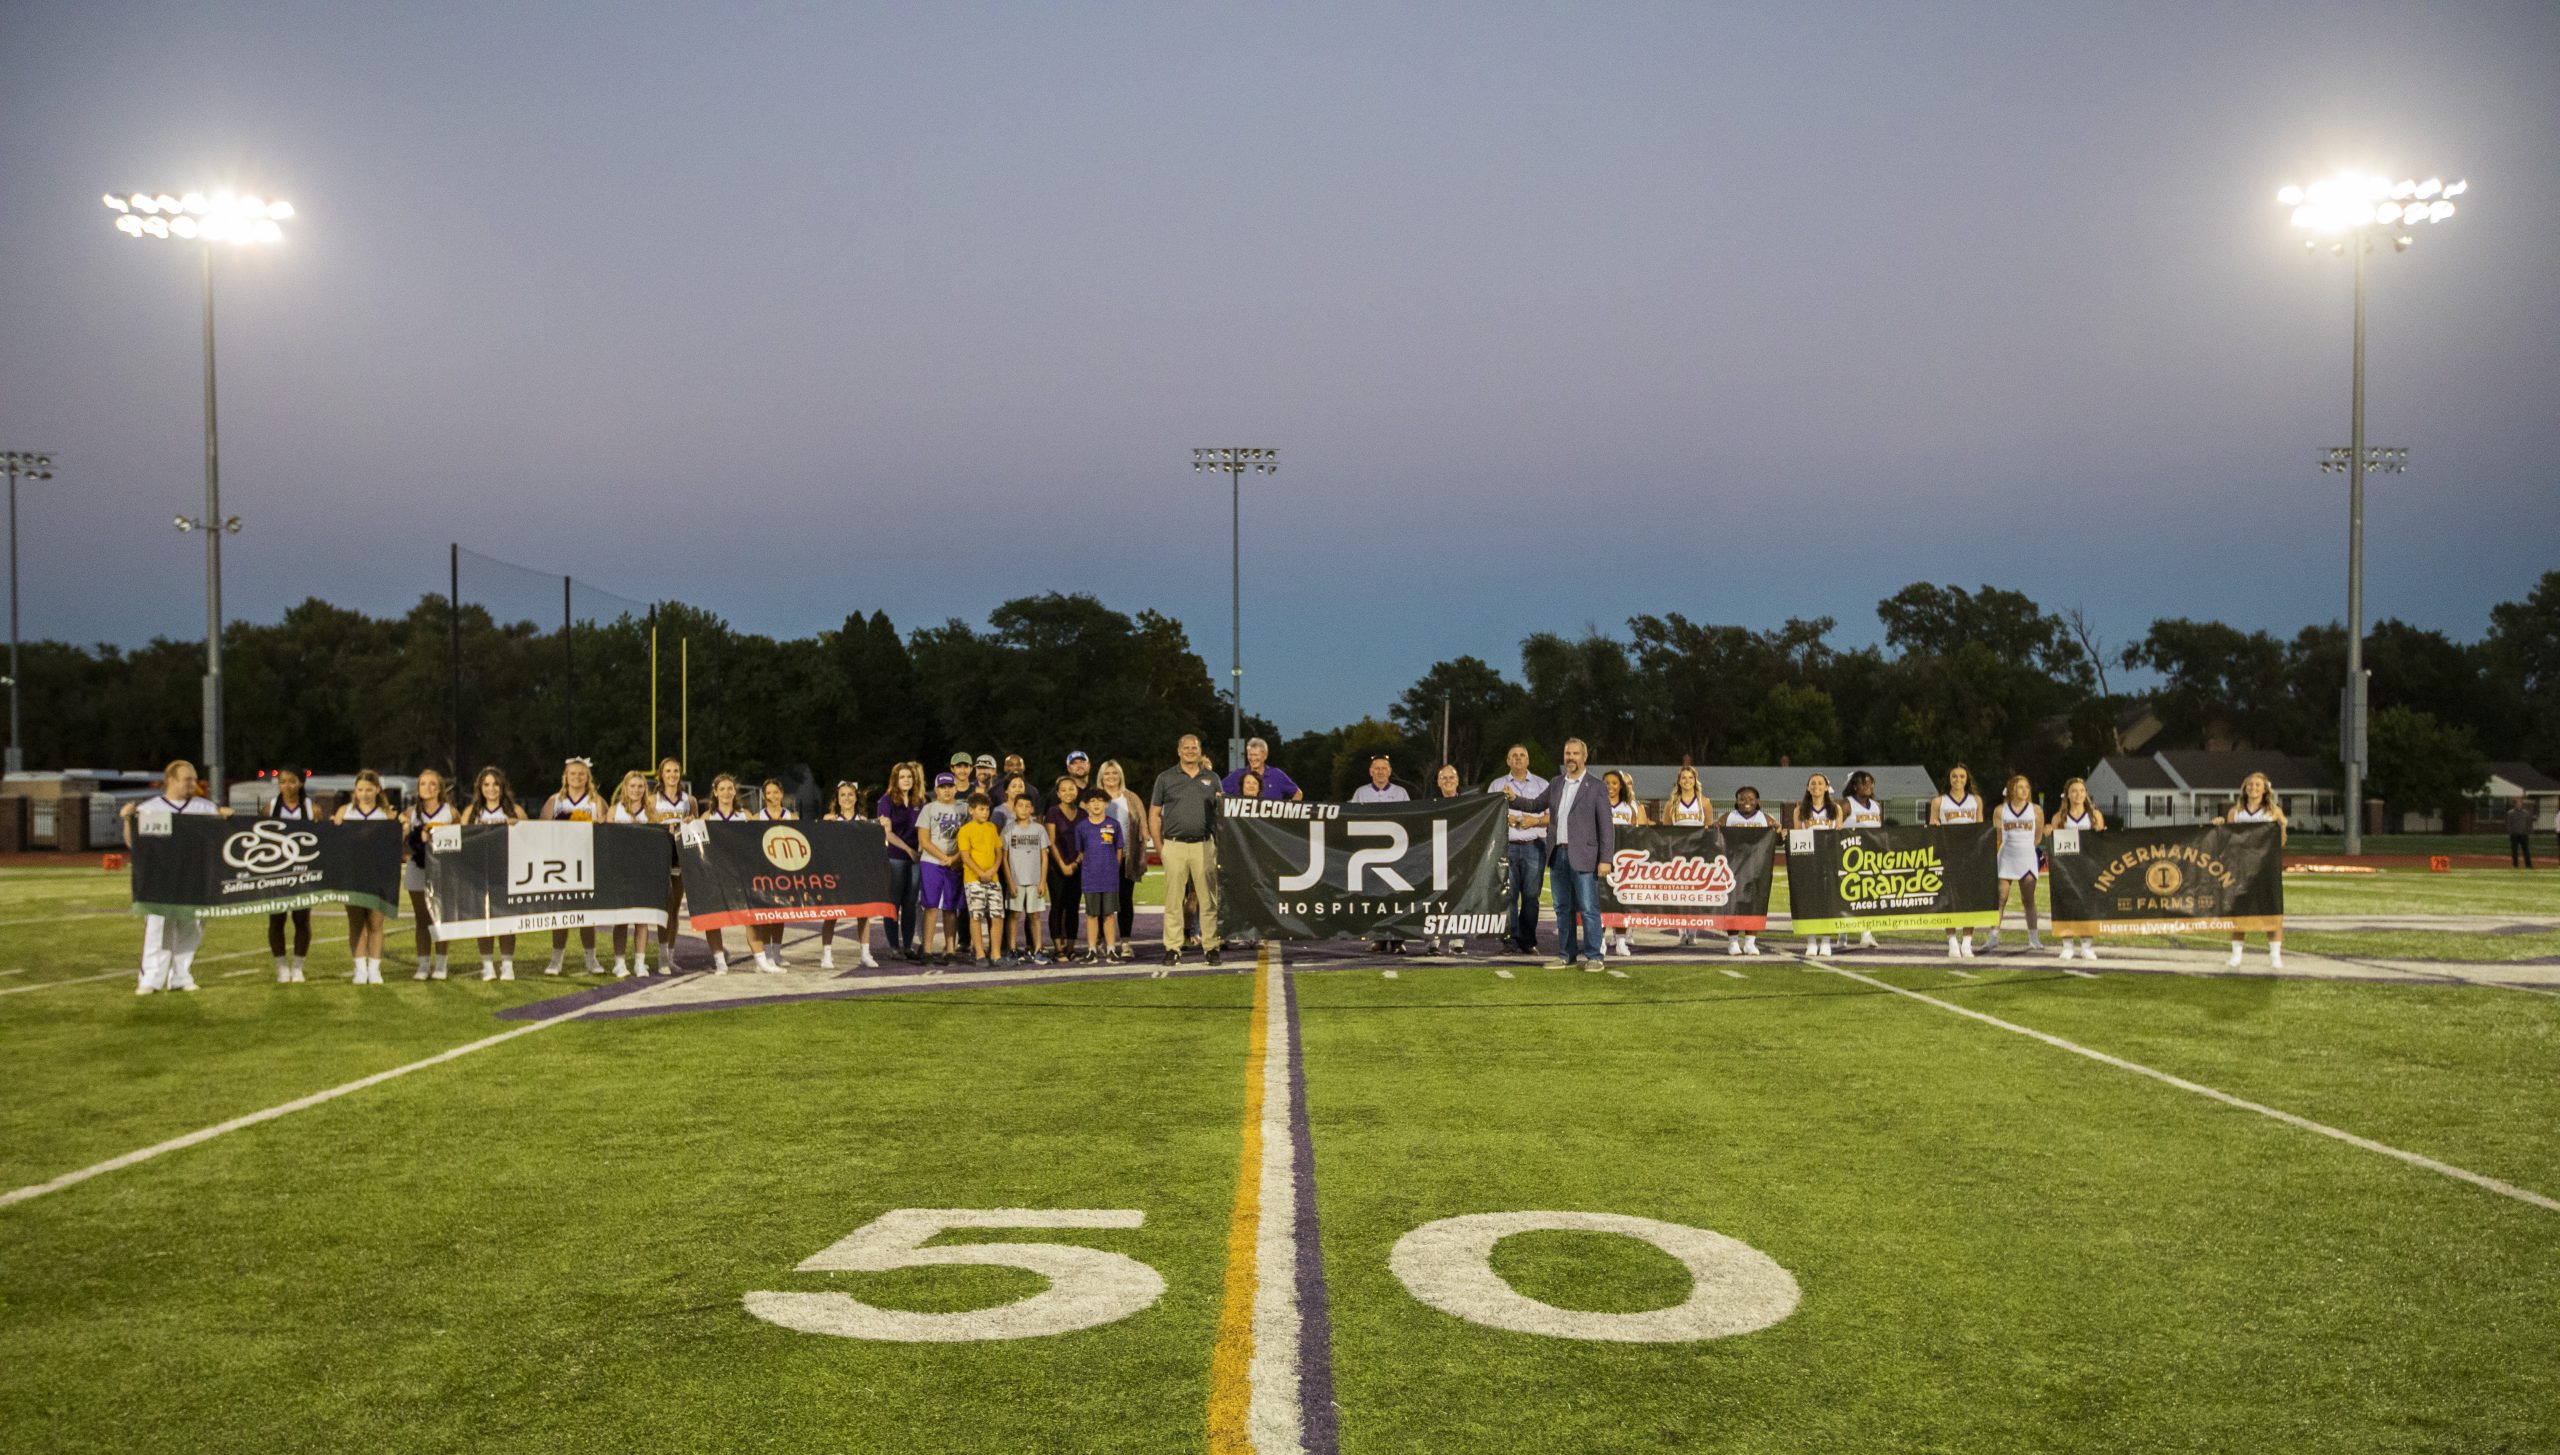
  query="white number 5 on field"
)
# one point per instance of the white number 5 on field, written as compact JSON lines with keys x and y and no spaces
{"x":1087,"y":1286}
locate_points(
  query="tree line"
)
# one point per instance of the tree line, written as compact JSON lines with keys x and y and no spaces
{"x":1985,"y":676}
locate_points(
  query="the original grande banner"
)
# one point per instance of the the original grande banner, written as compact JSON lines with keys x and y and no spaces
{"x":1913,"y":877}
{"x":188,"y":865}
{"x":2168,"y":881}
{"x":775,"y":873}
{"x":1310,"y":871}
{"x":506,"y":879}
{"x":1694,"y":878}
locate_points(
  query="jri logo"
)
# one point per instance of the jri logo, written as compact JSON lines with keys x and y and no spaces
{"x":1384,"y":860}
{"x":551,"y":860}
{"x":270,"y":847}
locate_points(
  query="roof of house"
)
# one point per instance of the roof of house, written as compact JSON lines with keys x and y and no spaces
{"x":2223,"y":772}
{"x":2139,"y":774}
{"x":2526,"y":777}
{"x":1897,"y":781}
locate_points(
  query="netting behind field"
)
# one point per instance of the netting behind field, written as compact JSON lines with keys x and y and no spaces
{"x":546,"y":665}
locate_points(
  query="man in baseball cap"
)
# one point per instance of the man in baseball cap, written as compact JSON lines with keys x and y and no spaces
{"x":1080,"y":768}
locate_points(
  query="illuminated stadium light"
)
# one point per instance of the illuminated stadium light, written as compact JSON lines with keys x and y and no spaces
{"x":223,"y":217}
{"x":2335,"y":206}
{"x":1235,"y":463}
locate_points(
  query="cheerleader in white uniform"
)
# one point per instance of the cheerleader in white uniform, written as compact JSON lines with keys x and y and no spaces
{"x":630,"y":805}
{"x":1688,"y":807}
{"x":1746,"y":813}
{"x":1958,"y":805}
{"x":1859,"y":810}
{"x":1625,"y":812}
{"x":169,"y":942}
{"x":1818,"y":810}
{"x":671,"y":805}
{"x":576,"y":802}
{"x":364,"y":926}
{"x":492,"y":801}
{"x":2077,"y":813}
{"x":848,"y":809}
{"x":290,"y":806}
{"x":768,"y":938}
{"x":427,"y":809}
{"x":723,"y":808}
{"x":2258,"y":805}
{"x":2020,"y":820}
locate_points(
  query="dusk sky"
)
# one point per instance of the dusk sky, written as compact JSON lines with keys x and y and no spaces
{"x":1557,"y":314}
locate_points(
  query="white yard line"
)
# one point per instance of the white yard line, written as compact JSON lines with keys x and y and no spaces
{"x":299,"y":1103}
{"x":1736,"y":974}
{"x":1621,"y":974}
{"x":131,"y":971}
{"x":1505,"y":974}
{"x":1388,"y":974}
{"x":2414,"y":1159}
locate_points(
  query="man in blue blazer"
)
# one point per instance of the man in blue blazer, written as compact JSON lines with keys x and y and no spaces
{"x":1582,"y":841}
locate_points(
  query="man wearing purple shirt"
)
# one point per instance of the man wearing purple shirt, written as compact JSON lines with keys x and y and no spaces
{"x":1257,"y":759}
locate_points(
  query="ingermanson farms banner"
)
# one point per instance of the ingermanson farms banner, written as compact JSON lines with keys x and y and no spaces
{"x":771,"y":873}
{"x":2167,"y":881}
{"x":197,"y":864}
{"x":1310,"y":871}
{"x":1908,"y":878}
{"x":1667,"y":878}
{"x":506,"y":879}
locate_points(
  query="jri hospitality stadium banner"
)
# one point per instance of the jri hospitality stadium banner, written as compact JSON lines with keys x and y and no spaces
{"x":1908,"y":878}
{"x":1311,"y":871}
{"x":775,"y":873}
{"x":1667,"y":878}
{"x":197,"y":864}
{"x":2167,"y":881}
{"x":506,"y":879}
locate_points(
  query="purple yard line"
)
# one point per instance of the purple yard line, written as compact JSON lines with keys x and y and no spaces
{"x":1318,"y":1421}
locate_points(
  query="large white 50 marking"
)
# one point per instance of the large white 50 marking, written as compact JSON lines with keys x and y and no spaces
{"x":1087,"y":1286}
{"x":1447,"y":1264}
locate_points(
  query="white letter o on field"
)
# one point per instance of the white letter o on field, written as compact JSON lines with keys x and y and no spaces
{"x":1735,"y":1288}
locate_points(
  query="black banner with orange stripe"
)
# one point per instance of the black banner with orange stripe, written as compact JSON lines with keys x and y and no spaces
{"x":757,"y":873}
{"x":2198,"y":879}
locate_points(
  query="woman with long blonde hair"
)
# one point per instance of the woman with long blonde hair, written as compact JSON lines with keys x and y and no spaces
{"x":672,"y":804}
{"x":1131,"y":810}
{"x":2257,"y":804}
{"x":630,"y":805}
{"x":1688,"y":806}
{"x":2020,"y":820}
{"x":845,"y":807}
{"x":365,"y":804}
{"x":2080,"y":814}
{"x":429,"y":807}
{"x":1958,"y":805}
{"x":576,"y":803}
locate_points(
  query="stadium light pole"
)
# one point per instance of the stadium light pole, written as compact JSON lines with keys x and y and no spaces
{"x":224,"y":217}
{"x":2350,"y":211}
{"x":34,"y":465}
{"x":1236,"y":463}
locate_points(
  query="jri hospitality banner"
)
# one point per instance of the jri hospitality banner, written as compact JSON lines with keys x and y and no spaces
{"x":1310,"y":871}
{"x":774,"y":873}
{"x":506,"y":879}
{"x":1668,"y":878}
{"x":2167,"y":881}
{"x":197,"y":864}
{"x":1908,"y":878}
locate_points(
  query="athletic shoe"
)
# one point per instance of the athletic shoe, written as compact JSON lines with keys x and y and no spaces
{"x":1564,"y":964}
{"x":551,"y":969}
{"x":1993,"y":942}
{"x":2235,"y":952}
{"x":145,"y":989}
{"x":2068,"y":950}
{"x":2275,"y":958}
{"x":1732,"y":946}
{"x":827,"y":959}
{"x":1039,"y":959}
{"x":1751,"y":944}
{"x":424,"y":969}
{"x":440,"y":968}
{"x":2034,"y":943}
{"x":720,"y":964}
{"x":867,"y":962}
{"x":488,"y":971}
{"x":506,"y":969}
{"x":2088,"y":949}
{"x":1866,"y":939}
{"x":191,"y":985}
{"x":1211,"y":958}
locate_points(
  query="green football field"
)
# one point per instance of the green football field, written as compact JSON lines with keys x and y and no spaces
{"x":2281,"y":1215}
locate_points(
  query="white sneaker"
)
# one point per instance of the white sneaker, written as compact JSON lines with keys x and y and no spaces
{"x":720,"y":964}
{"x":1955,"y":949}
{"x":1751,"y":944}
{"x":827,"y":958}
{"x":1732,"y":945}
{"x":2033,"y":943}
{"x":488,"y":971}
{"x":284,"y":972}
{"x":2235,"y":952}
{"x":440,"y":967}
{"x":186,"y":984}
{"x":1968,"y":947}
{"x":506,"y":969}
{"x":867,"y":962}
{"x":666,"y":963}
{"x":2275,"y":956}
{"x":553,"y":968}
{"x":621,"y":968}
{"x":1866,"y":939}
{"x":2068,"y":950}
{"x":2088,"y":949}
{"x":426,"y":968}
{"x":145,"y":988}
{"x":1993,"y":941}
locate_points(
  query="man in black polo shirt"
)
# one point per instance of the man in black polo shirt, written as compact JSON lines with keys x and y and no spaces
{"x":1182,"y":811}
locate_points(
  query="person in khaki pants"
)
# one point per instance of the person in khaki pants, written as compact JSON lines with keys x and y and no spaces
{"x":1182,"y":815}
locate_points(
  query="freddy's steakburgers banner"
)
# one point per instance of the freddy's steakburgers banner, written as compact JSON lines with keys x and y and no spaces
{"x":1667,"y":878}
{"x":2167,"y":881}
{"x":773,"y":873}
{"x":1907,"y":878}
{"x":1310,"y":871}
{"x":197,"y":864}
{"x":506,"y":879}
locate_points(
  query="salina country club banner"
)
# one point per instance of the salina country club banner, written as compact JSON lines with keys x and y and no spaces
{"x":1689,"y":878}
{"x":1909,"y":878}
{"x":506,"y":879}
{"x":773,"y":873}
{"x":2167,"y":881}
{"x":197,"y":864}
{"x":1310,"y":871}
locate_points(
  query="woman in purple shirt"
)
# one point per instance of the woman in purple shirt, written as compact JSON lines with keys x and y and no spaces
{"x":896,"y":811}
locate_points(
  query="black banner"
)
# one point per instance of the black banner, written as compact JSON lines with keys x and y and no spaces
{"x":1310,"y":871}
{"x":2167,"y":881}
{"x":1689,"y":878}
{"x":774,"y":873}
{"x":1913,"y":877}
{"x":506,"y":879}
{"x":197,"y":864}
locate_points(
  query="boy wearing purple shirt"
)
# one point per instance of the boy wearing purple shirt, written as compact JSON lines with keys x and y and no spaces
{"x":1097,"y":865}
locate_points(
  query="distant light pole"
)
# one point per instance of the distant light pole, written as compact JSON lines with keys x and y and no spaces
{"x":1236,"y":462}
{"x":224,"y":217}
{"x":2351,"y":210}
{"x":35,"y":465}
